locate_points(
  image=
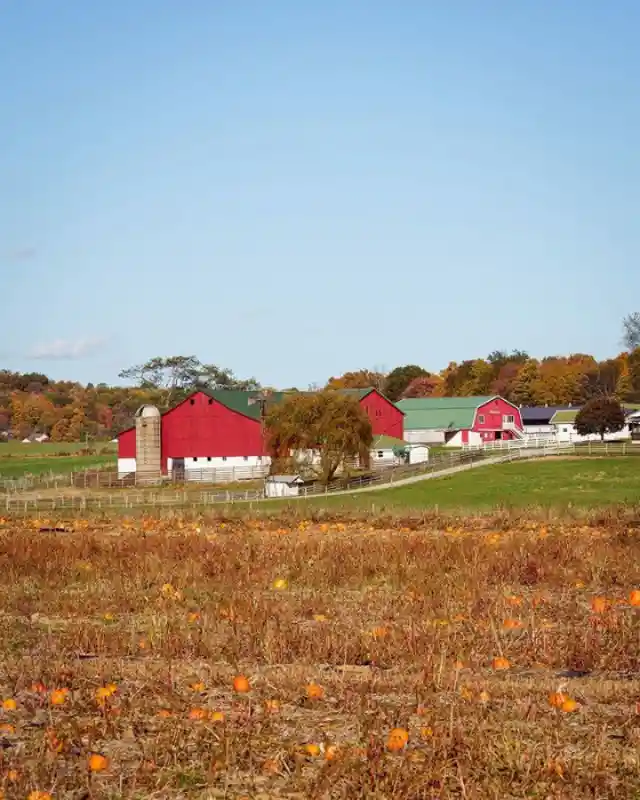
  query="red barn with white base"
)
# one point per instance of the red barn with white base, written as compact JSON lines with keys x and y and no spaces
{"x":223,"y":430}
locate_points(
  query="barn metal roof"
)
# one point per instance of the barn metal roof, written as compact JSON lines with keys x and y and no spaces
{"x":441,"y":413}
{"x":532,"y":415}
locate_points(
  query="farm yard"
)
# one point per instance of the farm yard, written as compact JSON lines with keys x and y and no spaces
{"x":554,"y":484}
{"x":474,"y":657}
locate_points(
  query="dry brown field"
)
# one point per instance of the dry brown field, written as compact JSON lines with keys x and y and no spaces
{"x":435,"y":658}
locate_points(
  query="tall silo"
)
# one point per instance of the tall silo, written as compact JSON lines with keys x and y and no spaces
{"x":148,"y":444}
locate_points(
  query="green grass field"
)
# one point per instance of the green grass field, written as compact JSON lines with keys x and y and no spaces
{"x":15,"y":449}
{"x":549,"y":483}
{"x":17,"y":467}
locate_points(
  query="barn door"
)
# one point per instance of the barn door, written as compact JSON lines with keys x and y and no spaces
{"x":177,"y":469}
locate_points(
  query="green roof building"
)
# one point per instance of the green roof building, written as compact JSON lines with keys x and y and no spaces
{"x":456,"y":421}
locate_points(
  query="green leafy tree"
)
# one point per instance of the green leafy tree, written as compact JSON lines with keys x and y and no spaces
{"x":327,"y":423}
{"x":600,"y":415}
{"x":399,"y":378}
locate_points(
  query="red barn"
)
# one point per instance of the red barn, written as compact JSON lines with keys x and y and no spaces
{"x":460,"y":420}
{"x":222,"y":429}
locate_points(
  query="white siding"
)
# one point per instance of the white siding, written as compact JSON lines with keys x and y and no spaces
{"x":273,"y":489}
{"x":222,"y":462}
{"x":126,"y":466}
{"x":422,"y":436}
{"x":418,"y":454}
{"x":384,"y":458}
{"x":566,"y":432}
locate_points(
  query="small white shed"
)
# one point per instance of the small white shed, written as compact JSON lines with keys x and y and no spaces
{"x":418,"y":453}
{"x":282,"y":485}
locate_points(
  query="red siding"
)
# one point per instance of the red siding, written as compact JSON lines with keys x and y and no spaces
{"x":127,"y":444}
{"x":492,"y":412}
{"x":385,"y":418}
{"x":200,"y":426}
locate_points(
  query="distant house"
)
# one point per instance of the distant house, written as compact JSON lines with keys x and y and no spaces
{"x":563,"y":421}
{"x":456,"y":421}
{"x":536,"y":421}
{"x":633,"y":422}
{"x":35,"y":437}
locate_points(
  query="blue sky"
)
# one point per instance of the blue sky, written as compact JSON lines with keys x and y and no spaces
{"x":293,"y":189}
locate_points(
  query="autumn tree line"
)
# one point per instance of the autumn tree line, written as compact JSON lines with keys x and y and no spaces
{"x":31,"y":403}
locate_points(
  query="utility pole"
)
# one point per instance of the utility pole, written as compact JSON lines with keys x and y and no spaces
{"x":261,"y":399}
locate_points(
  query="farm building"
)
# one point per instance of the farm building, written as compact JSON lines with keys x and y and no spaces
{"x":283,"y":485}
{"x":633,"y":421}
{"x":388,"y":451}
{"x":214,"y":434}
{"x":456,"y":421}
{"x":563,"y":422}
{"x":536,"y":421}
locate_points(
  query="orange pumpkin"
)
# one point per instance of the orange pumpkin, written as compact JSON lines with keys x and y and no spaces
{"x":397,"y":739}
{"x":97,"y":762}
{"x":315,"y":691}
{"x":634,"y":598}
{"x":556,"y":699}
{"x":58,"y":697}
{"x":569,"y":705}
{"x":500,"y":662}
{"x":599,"y":605}
{"x":241,"y":684}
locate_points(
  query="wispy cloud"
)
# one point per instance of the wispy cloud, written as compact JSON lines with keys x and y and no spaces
{"x":67,"y":349}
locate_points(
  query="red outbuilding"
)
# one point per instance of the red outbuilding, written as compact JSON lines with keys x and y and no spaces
{"x":223,"y":429}
{"x":458,"y":421}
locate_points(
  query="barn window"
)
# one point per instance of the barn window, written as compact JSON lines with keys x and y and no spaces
{"x":208,"y":458}
{"x":481,"y":419}
{"x":192,"y":401}
{"x":195,"y":458}
{"x":508,"y":419}
{"x":211,"y":401}
{"x":224,"y":458}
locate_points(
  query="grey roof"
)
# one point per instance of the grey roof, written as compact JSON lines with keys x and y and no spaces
{"x":285,"y":479}
{"x":540,"y":415}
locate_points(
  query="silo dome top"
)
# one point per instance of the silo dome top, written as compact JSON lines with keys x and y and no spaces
{"x":147,"y":411}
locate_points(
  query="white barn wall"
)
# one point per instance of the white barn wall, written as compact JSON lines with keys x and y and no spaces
{"x":423,"y":436}
{"x":126,"y":466}
{"x":567,"y":433}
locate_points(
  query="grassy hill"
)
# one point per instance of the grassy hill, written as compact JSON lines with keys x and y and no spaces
{"x":553,"y":483}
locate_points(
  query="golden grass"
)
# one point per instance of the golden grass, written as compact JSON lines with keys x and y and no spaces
{"x":120,"y":642}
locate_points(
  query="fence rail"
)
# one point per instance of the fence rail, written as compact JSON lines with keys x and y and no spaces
{"x":133,"y":498}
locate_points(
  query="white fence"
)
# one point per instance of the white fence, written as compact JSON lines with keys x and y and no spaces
{"x":184,"y":498}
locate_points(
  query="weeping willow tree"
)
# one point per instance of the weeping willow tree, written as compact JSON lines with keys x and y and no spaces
{"x":319,"y":431}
